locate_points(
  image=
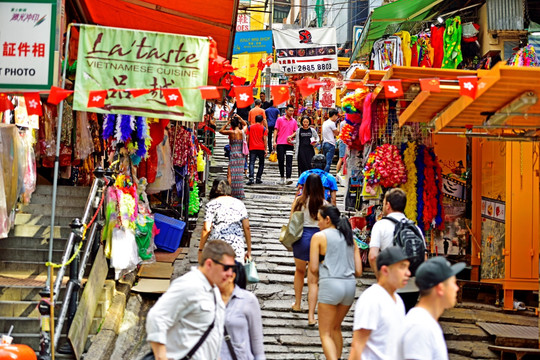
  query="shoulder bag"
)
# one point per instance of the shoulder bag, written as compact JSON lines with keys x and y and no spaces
{"x":227,"y":338}
{"x":252,"y":276}
{"x":292,"y":232}
{"x":150,"y":355}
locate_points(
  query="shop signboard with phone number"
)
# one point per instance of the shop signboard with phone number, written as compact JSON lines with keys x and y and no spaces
{"x":306,"y":50}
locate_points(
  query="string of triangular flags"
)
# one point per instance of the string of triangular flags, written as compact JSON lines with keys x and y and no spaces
{"x":243,"y":93}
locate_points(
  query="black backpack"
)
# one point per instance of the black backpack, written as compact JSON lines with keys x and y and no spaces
{"x":408,"y":237}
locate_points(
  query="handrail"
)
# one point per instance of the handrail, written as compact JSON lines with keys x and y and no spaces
{"x":78,"y":234}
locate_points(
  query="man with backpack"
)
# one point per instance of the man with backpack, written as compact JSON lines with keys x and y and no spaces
{"x":395,"y":229}
{"x":257,"y":139}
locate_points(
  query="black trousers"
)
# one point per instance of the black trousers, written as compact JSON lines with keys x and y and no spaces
{"x":285,"y":153}
{"x":270,"y":134}
{"x":253,"y":156}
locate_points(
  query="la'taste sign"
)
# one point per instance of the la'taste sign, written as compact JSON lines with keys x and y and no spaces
{"x":119,"y":59}
{"x":27,"y":31}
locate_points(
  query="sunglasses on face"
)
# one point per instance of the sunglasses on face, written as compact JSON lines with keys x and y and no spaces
{"x":225,"y":267}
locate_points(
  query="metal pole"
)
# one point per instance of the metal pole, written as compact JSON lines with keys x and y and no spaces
{"x":268,"y":70}
{"x":57,"y":158}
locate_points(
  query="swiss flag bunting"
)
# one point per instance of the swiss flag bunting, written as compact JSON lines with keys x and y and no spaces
{"x":393,"y":88}
{"x":244,"y":96}
{"x":5,"y":103}
{"x":468,"y":86}
{"x":56,"y":95}
{"x":97,"y":98}
{"x":138,"y":92}
{"x":280,"y":93}
{"x":308,"y":86}
{"x":353,"y":85}
{"x":209,"y":92}
{"x":33,"y":103}
{"x":173,"y":97}
{"x":432,"y":85}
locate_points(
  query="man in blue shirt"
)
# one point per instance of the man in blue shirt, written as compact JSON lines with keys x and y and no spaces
{"x":318,"y":162}
{"x":272,"y":113}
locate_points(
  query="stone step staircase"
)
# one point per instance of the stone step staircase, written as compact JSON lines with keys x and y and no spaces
{"x":23,"y":255}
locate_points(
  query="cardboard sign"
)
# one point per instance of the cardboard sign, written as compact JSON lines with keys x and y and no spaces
{"x":120,"y":59}
{"x":307,"y":50}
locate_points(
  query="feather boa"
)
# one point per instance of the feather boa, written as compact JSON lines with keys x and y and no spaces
{"x":108,"y":126}
{"x":420,"y":166}
{"x":430,"y":190}
{"x":125,"y":127}
{"x":439,"y":218}
{"x":409,"y":156}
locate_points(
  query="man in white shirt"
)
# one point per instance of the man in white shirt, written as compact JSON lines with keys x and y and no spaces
{"x":192,"y":305}
{"x":382,"y":236}
{"x":423,"y":337}
{"x":379,"y":313}
{"x":329,"y":133}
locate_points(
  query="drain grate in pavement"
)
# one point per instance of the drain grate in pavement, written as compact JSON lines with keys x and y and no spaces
{"x":265,"y":197}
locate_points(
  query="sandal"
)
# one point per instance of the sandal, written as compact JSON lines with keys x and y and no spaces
{"x":296,"y":310}
{"x":312,"y":324}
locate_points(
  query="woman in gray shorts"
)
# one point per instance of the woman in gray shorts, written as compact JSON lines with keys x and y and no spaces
{"x":335,"y":260}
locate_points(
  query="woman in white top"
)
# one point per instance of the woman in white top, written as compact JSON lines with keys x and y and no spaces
{"x":309,"y":202}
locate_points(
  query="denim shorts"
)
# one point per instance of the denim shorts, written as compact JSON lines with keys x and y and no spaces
{"x":342,"y":149}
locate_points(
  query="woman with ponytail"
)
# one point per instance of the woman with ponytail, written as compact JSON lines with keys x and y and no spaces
{"x":335,"y":262}
{"x":309,"y":202}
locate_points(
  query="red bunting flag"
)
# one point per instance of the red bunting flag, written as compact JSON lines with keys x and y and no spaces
{"x":33,"y":103}
{"x":97,"y":98}
{"x":353,"y":85}
{"x":280,"y":93}
{"x":238,"y":81}
{"x":308,"y":86}
{"x":5,"y":103}
{"x":393,"y":88}
{"x":432,"y":85}
{"x":468,"y":86}
{"x":226,"y":82}
{"x":173,"y":97}
{"x":138,"y":92}
{"x":57,"y":95}
{"x":209,"y":92}
{"x":244,"y":96}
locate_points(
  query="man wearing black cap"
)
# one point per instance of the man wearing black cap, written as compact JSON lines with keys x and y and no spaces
{"x":379,"y":313}
{"x":422,"y":336}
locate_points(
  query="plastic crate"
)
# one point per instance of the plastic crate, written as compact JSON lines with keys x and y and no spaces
{"x":170,"y":232}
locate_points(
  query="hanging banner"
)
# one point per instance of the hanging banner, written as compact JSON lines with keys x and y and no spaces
{"x":121,"y":59}
{"x":306,"y":50}
{"x":493,"y":209}
{"x":327,"y":93}
{"x":251,"y":42}
{"x":27,"y":31}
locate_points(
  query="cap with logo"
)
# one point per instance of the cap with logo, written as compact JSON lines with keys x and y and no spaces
{"x":391,"y":255}
{"x":434,"y":271}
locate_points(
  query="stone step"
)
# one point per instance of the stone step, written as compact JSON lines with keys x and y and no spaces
{"x":61,"y":211}
{"x":24,"y":293}
{"x":61,"y":200}
{"x":62,"y":191}
{"x":32,"y":325}
{"x":35,"y":219}
{"x":31,"y":243}
{"x":39,"y":231}
{"x":28,"y":309}
{"x":22,"y":255}
{"x":33,"y":339}
{"x":28,"y":268}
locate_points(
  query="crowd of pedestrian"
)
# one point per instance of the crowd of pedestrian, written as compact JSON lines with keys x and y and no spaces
{"x":208,"y":313}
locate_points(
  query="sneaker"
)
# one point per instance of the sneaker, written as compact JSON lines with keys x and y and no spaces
{"x":281,"y":181}
{"x":289,"y":181}
{"x":250,"y":182}
{"x":258,"y":181}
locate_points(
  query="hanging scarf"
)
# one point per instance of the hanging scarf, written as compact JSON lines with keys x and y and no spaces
{"x":452,"y":44}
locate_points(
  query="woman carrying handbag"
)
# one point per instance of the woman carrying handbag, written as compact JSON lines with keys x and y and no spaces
{"x":309,"y":203}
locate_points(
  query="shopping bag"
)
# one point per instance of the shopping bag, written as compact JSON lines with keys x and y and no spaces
{"x":292,"y":232}
{"x":252,"y":275}
{"x":272,"y":157}
{"x":245,"y":148}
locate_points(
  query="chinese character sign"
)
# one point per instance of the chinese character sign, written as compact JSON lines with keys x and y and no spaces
{"x":306,"y":50}
{"x":120,"y":59}
{"x":242,"y":22}
{"x":327,"y":92}
{"x":27,"y":44}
